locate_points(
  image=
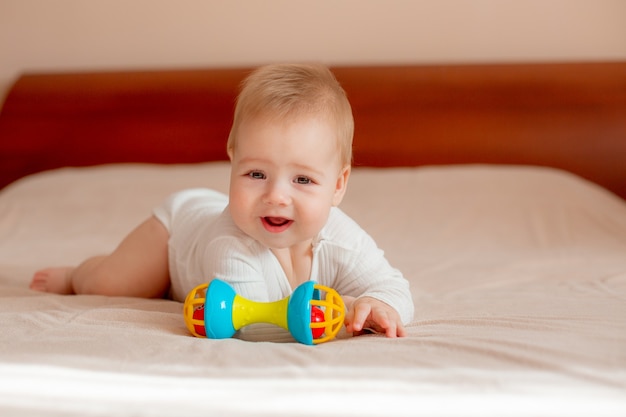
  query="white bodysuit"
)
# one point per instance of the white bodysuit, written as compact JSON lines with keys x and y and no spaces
{"x":205,"y":244}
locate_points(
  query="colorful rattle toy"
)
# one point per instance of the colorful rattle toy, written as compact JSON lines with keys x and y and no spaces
{"x":215,"y":311}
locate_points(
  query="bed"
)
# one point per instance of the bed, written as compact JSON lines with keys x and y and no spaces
{"x":498,"y":189}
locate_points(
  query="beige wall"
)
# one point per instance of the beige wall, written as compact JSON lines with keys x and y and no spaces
{"x":57,"y":35}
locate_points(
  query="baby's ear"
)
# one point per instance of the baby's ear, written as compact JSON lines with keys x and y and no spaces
{"x":342,"y":185}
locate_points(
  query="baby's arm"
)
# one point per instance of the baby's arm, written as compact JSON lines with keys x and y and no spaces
{"x":370,"y":313}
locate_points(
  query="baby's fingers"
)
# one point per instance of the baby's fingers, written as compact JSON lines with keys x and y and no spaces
{"x":384,"y":323}
{"x":356,"y":317}
{"x":371,"y":314}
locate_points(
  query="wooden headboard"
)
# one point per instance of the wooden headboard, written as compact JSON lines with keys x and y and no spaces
{"x":565,"y":115}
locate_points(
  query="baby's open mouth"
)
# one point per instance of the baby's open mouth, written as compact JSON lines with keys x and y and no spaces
{"x":276,"y":221}
{"x":276,"y":224}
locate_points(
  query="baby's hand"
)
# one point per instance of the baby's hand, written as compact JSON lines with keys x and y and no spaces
{"x":370,"y":313}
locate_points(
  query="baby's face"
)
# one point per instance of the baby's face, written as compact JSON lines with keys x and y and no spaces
{"x":285,"y":177}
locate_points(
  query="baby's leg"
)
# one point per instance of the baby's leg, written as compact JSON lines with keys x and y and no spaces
{"x":137,"y":268}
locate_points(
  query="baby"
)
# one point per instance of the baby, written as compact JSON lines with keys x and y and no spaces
{"x":290,"y":149}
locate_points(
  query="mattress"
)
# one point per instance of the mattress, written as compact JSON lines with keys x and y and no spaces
{"x":518,"y":275}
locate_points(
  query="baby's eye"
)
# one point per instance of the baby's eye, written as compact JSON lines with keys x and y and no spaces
{"x":302,"y":180}
{"x":256,"y":175}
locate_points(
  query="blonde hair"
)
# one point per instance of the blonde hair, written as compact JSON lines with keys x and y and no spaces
{"x":288,"y":91}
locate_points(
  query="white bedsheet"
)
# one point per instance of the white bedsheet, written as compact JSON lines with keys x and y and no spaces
{"x":518,"y":276}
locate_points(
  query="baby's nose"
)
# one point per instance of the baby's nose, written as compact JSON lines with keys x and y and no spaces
{"x":277,"y":194}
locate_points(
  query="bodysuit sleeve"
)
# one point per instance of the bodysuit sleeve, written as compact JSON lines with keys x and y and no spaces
{"x":359,"y":268}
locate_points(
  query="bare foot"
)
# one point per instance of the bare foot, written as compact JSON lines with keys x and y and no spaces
{"x":55,"y":280}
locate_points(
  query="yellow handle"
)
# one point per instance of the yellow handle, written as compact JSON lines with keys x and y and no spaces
{"x":247,"y":312}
